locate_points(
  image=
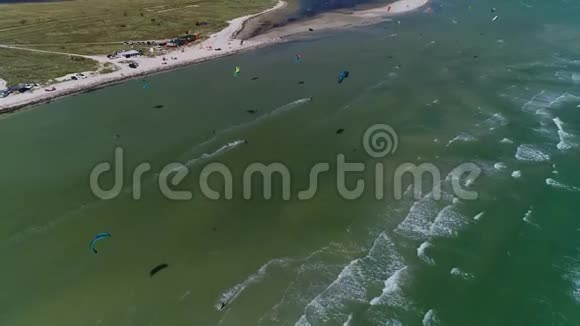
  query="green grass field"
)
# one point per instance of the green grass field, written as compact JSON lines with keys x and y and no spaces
{"x":23,"y":66}
{"x":101,"y":27}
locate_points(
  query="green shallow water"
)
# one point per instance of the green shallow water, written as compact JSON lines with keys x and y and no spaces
{"x":321,"y":261}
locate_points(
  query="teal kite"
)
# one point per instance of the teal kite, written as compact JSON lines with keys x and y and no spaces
{"x":98,"y":237}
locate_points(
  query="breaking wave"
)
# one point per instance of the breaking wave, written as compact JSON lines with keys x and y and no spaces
{"x":566,"y":139}
{"x":350,"y":287}
{"x":422,"y":253}
{"x":431,"y":318}
{"x":392,"y":294}
{"x":531,"y":153}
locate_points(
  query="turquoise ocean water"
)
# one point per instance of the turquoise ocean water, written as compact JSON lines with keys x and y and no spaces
{"x":456,"y":87}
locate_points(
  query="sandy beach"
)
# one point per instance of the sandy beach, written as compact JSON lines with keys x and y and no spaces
{"x":208,"y":49}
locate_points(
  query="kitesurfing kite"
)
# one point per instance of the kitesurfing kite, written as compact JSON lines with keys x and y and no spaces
{"x":298,"y":57}
{"x":237,"y":72}
{"x":157,"y":269}
{"x":342,"y":76}
{"x":98,"y":237}
{"x":145,"y":84}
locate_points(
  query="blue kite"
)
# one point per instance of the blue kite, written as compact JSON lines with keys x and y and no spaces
{"x":145,"y":84}
{"x":100,"y":236}
{"x":342,"y":76}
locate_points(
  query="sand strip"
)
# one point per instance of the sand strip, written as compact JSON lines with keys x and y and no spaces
{"x":224,"y":40}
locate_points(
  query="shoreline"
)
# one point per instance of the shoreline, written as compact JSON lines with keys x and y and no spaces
{"x":205,"y":51}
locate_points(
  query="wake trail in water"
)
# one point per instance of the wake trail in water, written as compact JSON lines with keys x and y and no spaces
{"x":231,"y":294}
{"x":277,"y":111}
{"x":528,"y":218}
{"x":221,"y":150}
{"x":553,"y":183}
{"x":31,"y":231}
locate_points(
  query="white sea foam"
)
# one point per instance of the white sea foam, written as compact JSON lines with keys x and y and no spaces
{"x":572,"y":275}
{"x":207,"y":156}
{"x":517,"y":174}
{"x":553,"y":183}
{"x":431,"y":318}
{"x":463,"y":137}
{"x":500,"y":166}
{"x":506,"y":141}
{"x":392,"y":294}
{"x":546,"y":100}
{"x":528,"y":218}
{"x":467,"y":179}
{"x":448,"y":223}
{"x":291,"y":105}
{"x":566,"y":139}
{"x":422,"y":253}
{"x":313,"y":275}
{"x":231,"y":294}
{"x":567,"y":76}
{"x":455,"y":271}
{"x":350,"y":287}
{"x":418,"y":221}
{"x":348,"y":320}
{"x":479,"y":216}
{"x":531,"y":153}
{"x":496,"y":120}
{"x":282,"y":109}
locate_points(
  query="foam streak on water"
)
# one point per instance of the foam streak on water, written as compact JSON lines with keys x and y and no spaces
{"x":207,"y":156}
{"x":528,"y":218}
{"x":282,"y":109}
{"x":348,"y":320}
{"x":462,"y":137}
{"x":350,"y":287}
{"x":231,"y":294}
{"x":553,"y":183}
{"x":457,"y":272}
{"x":566,"y":139}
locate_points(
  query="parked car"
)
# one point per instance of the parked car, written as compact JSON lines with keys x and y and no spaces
{"x":4,"y":93}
